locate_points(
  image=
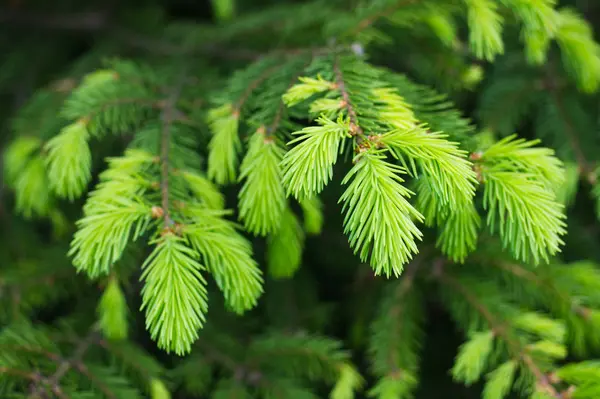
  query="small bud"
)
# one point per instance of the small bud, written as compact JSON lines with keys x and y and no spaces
{"x":157,"y":212}
{"x":553,"y":378}
{"x":476,"y":156}
{"x":592,"y":178}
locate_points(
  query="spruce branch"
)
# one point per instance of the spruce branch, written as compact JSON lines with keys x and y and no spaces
{"x":546,"y":285}
{"x":500,"y":329}
{"x":36,"y":379}
{"x":379,"y":220}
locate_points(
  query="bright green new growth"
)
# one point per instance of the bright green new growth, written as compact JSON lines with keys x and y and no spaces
{"x":500,"y":381}
{"x":112,"y":311}
{"x":485,"y":25}
{"x":174,"y":291}
{"x":519,"y":186}
{"x":227,"y":255}
{"x":312,"y":210}
{"x":284,"y":247}
{"x":404,"y":157}
{"x":114,"y":213}
{"x":379,"y":221}
{"x":225,"y":145}
{"x":69,"y":161}
{"x":308,"y":167}
{"x":472,"y":357}
{"x":262,"y":197}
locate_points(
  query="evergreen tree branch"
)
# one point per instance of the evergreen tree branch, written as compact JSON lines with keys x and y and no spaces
{"x":167,"y":119}
{"x":587,"y":169}
{"x":499,"y":328}
{"x":84,"y":370}
{"x":66,"y":364}
{"x":521,"y":272}
{"x":36,"y":379}
{"x":354,"y":129}
{"x":252,"y":86}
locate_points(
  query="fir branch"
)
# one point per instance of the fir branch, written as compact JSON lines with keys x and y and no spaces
{"x":500,"y":329}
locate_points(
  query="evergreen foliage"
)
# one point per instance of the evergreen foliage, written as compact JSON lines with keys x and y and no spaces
{"x":276,"y":201}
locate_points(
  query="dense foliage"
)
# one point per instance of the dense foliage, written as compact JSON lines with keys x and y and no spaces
{"x":300,"y":199}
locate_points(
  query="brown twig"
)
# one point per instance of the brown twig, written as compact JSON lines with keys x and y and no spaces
{"x":355,"y":129}
{"x":167,"y":118}
{"x":66,"y":364}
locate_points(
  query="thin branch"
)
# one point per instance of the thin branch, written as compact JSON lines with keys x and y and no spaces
{"x":66,"y":364}
{"x":82,"y":368}
{"x":500,"y":329}
{"x":167,"y":117}
{"x":279,"y":114}
{"x":36,"y":379}
{"x":355,"y":129}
